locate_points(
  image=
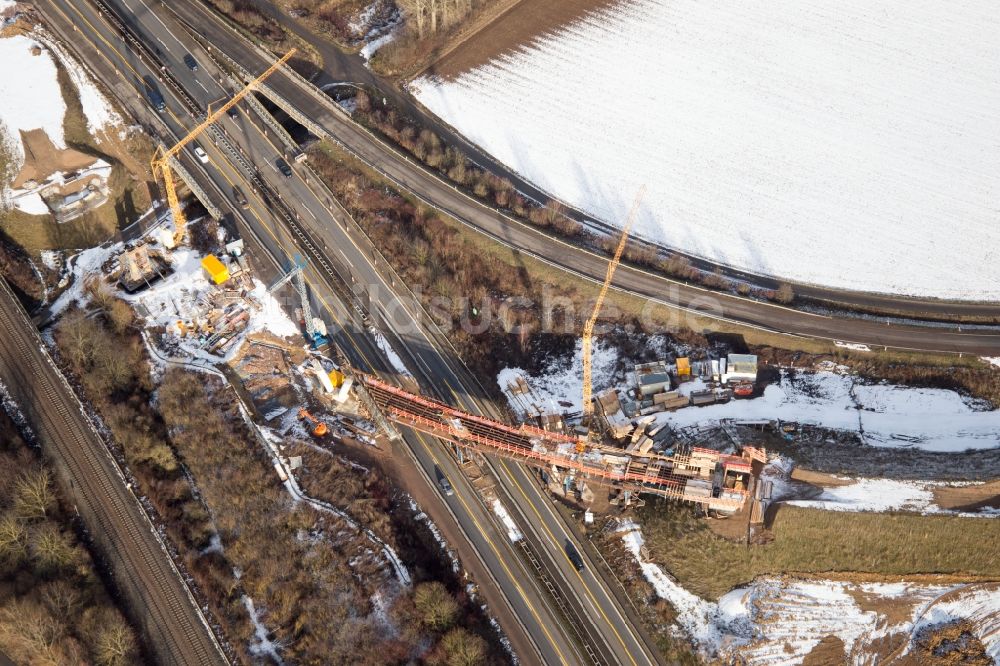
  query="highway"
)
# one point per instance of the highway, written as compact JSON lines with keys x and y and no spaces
{"x":658,"y":289}
{"x":528,"y":606}
{"x":342,"y":67}
{"x":172,"y":625}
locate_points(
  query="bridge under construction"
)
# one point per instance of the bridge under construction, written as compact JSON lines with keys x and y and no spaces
{"x":721,"y":482}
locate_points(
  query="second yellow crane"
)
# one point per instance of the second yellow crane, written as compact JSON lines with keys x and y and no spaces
{"x":162,"y":157}
{"x":588,"y":328}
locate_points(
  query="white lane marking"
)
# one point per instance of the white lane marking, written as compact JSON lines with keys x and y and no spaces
{"x":202,"y":86}
{"x":164,"y":44}
{"x":158,"y":19}
{"x":309,"y":210}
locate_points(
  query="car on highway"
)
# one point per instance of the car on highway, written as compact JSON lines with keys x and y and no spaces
{"x":443,"y":482}
{"x":233,"y":113}
{"x":153,"y":93}
{"x":201,"y":154}
{"x":574,"y":556}
{"x":191,"y":62}
{"x":240,"y":197}
{"x":283,"y":167}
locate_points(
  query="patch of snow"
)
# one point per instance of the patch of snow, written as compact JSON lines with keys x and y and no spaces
{"x":992,"y":360}
{"x":560,"y":387}
{"x":30,"y":97}
{"x":882,"y":415}
{"x":865,"y":494}
{"x":271,"y":316}
{"x":980,"y":606}
{"x":29,"y":202}
{"x":821,"y":142}
{"x":96,"y":107}
{"x":780,"y":620}
{"x":262,"y":645}
{"x":853,"y":346}
{"x":500,"y":510}
{"x":52,"y":259}
{"x":86,"y":263}
{"x":275,"y":413}
{"x":700,"y":619}
{"x":369,"y":49}
{"x":7,"y":4}
{"x":390,"y":354}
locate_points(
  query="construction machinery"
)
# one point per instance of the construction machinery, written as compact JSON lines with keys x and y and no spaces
{"x":315,"y":327}
{"x":164,"y":158}
{"x":588,"y":328}
{"x":319,"y":428}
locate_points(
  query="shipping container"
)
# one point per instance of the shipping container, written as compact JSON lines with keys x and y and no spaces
{"x":216,"y":270}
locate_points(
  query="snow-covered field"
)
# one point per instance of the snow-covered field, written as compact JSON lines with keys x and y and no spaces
{"x":30,"y":97}
{"x":854,"y":144}
{"x":881,"y":414}
{"x":779,"y":621}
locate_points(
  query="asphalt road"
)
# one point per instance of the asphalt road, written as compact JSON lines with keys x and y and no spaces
{"x":529,"y":607}
{"x":340,"y":67}
{"x":158,"y":598}
{"x":658,"y":290}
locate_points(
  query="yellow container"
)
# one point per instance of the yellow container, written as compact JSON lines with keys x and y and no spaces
{"x":215,"y":269}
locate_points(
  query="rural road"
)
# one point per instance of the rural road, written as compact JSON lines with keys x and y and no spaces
{"x":528,"y":240}
{"x":341,"y":67}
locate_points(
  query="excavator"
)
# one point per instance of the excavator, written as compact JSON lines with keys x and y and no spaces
{"x":319,"y":428}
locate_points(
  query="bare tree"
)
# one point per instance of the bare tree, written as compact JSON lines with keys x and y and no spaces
{"x":33,"y":494}
{"x":13,"y":540}
{"x":436,"y":607}
{"x":116,"y":645}
{"x":785,"y":294}
{"x":462,"y":648}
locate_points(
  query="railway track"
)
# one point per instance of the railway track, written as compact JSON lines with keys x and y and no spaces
{"x":160,"y":602}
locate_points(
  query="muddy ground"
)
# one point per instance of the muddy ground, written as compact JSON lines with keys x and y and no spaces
{"x":524,"y":23}
{"x":834,"y":452}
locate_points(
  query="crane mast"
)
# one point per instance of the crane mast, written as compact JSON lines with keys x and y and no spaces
{"x":161,"y":158}
{"x":588,"y":327}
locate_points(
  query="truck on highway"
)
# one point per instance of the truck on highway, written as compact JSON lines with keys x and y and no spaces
{"x":153,"y":93}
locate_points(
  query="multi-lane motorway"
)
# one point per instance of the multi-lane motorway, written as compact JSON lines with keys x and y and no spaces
{"x":413,"y":178}
{"x":598,"y":629}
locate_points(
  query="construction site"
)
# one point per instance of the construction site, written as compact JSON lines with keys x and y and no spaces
{"x":211,"y":309}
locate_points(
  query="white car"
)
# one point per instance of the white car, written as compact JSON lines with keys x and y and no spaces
{"x":202,"y":155}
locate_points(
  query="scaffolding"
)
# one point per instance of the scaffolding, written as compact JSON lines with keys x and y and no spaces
{"x":698,"y":475}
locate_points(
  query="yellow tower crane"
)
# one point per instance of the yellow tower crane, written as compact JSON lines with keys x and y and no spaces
{"x":161,"y":158}
{"x":588,"y":328}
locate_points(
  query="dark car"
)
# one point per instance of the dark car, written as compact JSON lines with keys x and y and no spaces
{"x":153,"y":93}
{"x":574,"y":556}
{"x":240,"y":197}
{"x":233,"y":113}
{"x":191,"y":62}
{"x":283,"y":167}
{"x":443,"y":481}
